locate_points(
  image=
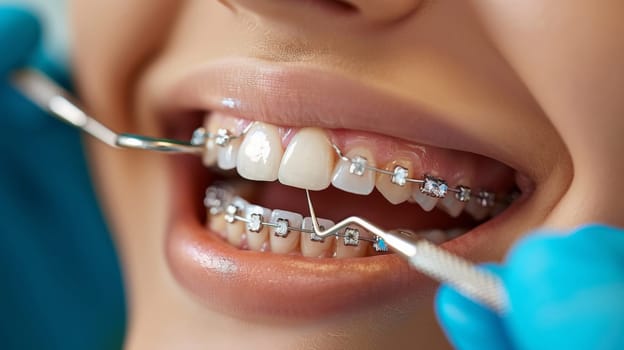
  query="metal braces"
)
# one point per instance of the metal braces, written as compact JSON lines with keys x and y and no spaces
{"x":472,"y":281}
{"x":429,"y":185}
{"x":220,"y":201}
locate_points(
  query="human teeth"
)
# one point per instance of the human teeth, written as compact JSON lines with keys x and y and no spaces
{"x":451,"y":206}
{"x":260,"y":153}
{"x":394,"y":187}
{"x":350,"y":244}
{"x":352,"y":176}
{"x":455,"y":232}
{"x":427,"y":203}
{"x":434,"y":236}
{"x":200,"y":136}
{"x":235,"y":229}
{"x":210,"y":155}
{"x":282,"y":239}
{"x":312,"y":245}
{"x":217,"y":224}
{"x":308,"y":160}
{"x":476,"y":210}
{"x":497,"y":209}
{"x":257,"y":233}
{"x":227,"y":154}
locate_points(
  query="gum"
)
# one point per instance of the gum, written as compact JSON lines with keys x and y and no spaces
{"x":455,"y":167}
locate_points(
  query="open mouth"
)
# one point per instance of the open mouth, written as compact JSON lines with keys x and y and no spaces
{"x":241,"y":238}
{"x":408,"y":180}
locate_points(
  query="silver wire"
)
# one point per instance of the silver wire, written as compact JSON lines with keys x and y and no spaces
{"x":52,"y":98}
{"x":473,"y":282}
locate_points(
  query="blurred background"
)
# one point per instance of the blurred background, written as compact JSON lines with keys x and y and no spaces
{"x":61,"y":282}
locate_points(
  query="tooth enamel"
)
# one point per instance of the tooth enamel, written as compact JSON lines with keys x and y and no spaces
{"x":351,"y":245}
{"x":426,"y":203}
{"x":257,"y":234}
{"x":260,"y":153}
{"x":434,"y":236}
{"x":393,"y":192}
{"x":217,"y":224}
{"x":236,"y":233}
{"x":352,"y":176}
{"x":477,"y":211}
{"x":308,"y":160}
{"x":451,"y":206}
{"x":211,"y":152}
{"x":455,"y":232}
{"x":284,"y":242}
{"x":497,"y":209}
{"x":235,"y":229}
{"x":227,"y":154}
{"x":313,"y":247}
{"x":200,"y":137}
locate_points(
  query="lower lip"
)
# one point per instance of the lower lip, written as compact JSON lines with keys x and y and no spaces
{"x":255,"y":285}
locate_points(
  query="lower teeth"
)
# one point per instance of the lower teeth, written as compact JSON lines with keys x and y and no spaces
{"x":249,"y":226}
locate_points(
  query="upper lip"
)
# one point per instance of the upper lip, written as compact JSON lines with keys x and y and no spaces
{"x":238,"y":281}
{"x":296,"y":95}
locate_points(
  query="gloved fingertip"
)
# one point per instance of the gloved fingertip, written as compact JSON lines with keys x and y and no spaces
{"x":20,"y":31}
{"x":468,"y":325}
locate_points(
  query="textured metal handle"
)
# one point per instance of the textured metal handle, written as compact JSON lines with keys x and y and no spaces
{"x":474,"y":282}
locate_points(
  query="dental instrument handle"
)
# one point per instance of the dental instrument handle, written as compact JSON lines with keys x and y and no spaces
{"x":474,"y":282}
{"x":52,"y":98}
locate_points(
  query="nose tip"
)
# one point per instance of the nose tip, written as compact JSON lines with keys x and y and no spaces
{"x":384,"y":11}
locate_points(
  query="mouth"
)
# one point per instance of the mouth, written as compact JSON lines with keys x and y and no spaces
{"x":241,"y":239}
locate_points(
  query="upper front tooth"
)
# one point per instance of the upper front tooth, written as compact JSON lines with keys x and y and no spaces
{"x":260,"y":153}
{"x":352,"y":176}
{"x":308,"y":160}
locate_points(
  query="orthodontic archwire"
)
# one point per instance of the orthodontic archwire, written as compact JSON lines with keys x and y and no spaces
{"x":474,"y":282}
{"x":54,"y":99}
{"x":219,"y":200}
{"x":429,"y":185}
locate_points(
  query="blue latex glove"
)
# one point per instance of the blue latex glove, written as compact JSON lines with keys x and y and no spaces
{"x":61,"y":286}
{"x":20,"y":30}
{"x":565,"y":292}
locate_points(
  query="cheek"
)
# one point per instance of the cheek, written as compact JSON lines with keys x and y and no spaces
{"x":112,"y":40}
{"x":569,"y":54}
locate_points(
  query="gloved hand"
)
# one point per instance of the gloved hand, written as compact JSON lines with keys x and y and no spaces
{"x":19,"y":35}
{"x":565,"y":292}
{"x":56,"y":257}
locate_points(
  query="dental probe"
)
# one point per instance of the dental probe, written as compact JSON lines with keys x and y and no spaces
{"x":473,"y":282}
{"x":54,"y":99}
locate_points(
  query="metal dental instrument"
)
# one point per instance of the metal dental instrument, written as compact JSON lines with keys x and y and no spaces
{"x":473,"y":282}
{"x":58,"y":102}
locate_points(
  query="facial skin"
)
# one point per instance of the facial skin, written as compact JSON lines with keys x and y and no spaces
{"x":548,"y":73}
